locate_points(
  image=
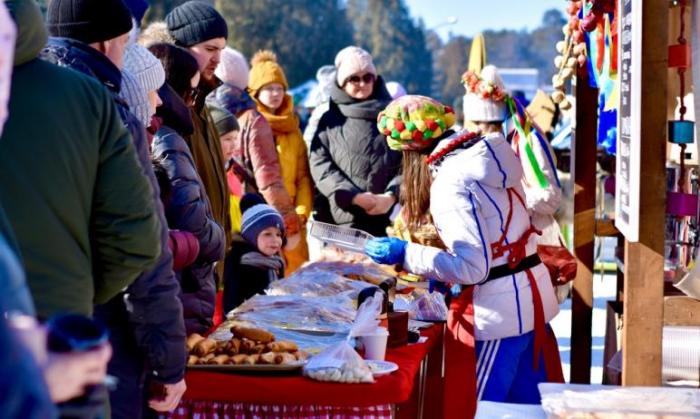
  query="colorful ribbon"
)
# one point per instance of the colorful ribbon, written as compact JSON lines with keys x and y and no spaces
{"x":530,"y":154}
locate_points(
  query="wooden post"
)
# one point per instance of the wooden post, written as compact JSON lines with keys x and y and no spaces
{"x":644,"y":261}
{"x":584,"y":172}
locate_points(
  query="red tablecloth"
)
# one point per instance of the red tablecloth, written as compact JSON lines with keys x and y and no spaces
{"x":297,"y":390}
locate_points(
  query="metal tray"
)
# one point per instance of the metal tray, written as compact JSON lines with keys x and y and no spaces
{"x":251,"y":369}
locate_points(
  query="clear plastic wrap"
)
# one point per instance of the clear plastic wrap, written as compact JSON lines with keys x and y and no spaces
{"x":430,"y":307}
{"x":320,"y":314}
{"x":313,"y":282}
{"x":427,"y":306}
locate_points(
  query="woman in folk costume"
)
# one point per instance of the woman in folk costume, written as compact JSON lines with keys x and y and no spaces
{"x":268,"y":87}
{"x":472,"y":185}
{"x":488,"y":106}
{"x":491,"y":111}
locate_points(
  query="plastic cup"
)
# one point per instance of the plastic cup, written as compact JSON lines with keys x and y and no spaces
{"x":375,"y":344}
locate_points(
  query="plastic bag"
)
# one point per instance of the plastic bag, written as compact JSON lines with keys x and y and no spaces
{"x":340,"y":363}
{"x":367,"y":318}
{"x":430,"y":307}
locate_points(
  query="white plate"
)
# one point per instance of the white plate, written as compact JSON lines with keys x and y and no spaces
{"x":380,"y":368}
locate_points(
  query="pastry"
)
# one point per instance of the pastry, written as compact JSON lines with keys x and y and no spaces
{"x":221,"y":347}
{"x":192,"y":359}
{"x":239,"y":359}
{"x":246,"y":346}
{"x":268,"y":358}
{"x":284,"y":358}
{"x":219,"y":360}
{"x":234,"y":346}
{"x":282,"y":346}
{"x":257,"y":349}
{"x":193,"y":340}
{"x":205,"y":359}
{"x":252,"y":333}
{"x":301,"y":355}
{"x":251,"y":359}
{"x":204,"y":347}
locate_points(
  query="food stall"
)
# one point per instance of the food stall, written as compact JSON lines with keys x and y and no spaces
{"x":255,"y":363}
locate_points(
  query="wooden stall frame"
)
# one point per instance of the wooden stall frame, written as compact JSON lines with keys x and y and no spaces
{"x":644,"y":260}
{"x":584,"y":176}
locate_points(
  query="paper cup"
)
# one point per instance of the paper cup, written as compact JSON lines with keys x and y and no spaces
{"x":375,"y":344}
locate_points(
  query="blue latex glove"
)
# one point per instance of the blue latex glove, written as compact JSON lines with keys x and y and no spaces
{"x":386,"y":250}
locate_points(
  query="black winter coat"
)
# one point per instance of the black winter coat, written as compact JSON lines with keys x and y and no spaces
{"x":242,"y":281}
{"x":349,"y":156}
{"x":188,"y":210}
{"x":149,"y":305}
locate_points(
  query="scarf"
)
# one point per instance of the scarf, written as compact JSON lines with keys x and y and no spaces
{"x":284,"y":120}
{"x":274,"y":264}
{"x":362,"y":109}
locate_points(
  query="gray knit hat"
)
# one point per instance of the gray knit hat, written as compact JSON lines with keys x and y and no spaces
{"x":224,"y":120}
{"x":194,"y":22}
{"x":149,"y":75}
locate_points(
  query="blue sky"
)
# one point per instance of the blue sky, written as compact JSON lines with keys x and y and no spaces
{"x":474,"y":16}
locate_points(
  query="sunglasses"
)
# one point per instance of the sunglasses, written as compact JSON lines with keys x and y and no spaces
{"x":368,"y":78}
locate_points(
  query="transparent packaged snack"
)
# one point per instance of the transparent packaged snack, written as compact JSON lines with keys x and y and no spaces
{"x":321,"y":314}
{"x":315,"y":282}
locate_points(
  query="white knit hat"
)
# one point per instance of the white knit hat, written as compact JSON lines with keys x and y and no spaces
{"x":233,"y":68}
{"x":485,"y":98}
{"x":353,"y":60}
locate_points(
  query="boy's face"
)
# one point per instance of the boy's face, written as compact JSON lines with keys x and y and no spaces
{"x":227,"y":142}
{"x":271,"y":95}
{"x":270,"y":241}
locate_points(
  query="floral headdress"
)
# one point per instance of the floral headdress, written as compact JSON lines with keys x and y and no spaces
{"x":485,"y":89}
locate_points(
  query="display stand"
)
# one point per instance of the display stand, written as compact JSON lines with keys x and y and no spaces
{"x":641,"y":278}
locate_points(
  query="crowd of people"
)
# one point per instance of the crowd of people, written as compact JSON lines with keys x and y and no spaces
{"x":143,"y":170}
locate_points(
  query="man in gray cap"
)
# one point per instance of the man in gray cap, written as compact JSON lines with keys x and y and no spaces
{"x":198,"y":27}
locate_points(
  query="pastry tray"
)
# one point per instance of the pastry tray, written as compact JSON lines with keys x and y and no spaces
{"x":251,"y":369}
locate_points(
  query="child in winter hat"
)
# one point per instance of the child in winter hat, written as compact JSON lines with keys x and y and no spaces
{"x":256,"y":261}
{"x":233,"y":68}
{"x":228,"y":128}
{"x":353,"y":60}
{"x":149,"y":75}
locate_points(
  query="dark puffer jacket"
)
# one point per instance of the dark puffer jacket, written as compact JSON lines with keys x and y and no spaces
{"x":188,"y":210}
{"x":149,"y":305}
{"x":349,"y":156}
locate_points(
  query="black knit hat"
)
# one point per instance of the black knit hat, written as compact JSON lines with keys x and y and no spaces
{"x":194,"y":22}
{"x":88,"y":20}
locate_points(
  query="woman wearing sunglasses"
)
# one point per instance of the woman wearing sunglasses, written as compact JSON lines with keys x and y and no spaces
{"x":356,"y":173}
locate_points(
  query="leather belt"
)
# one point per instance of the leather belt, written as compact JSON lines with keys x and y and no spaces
{"x":501,"y":271}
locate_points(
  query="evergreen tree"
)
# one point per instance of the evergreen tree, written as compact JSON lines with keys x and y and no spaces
{"x":305,"y":34}
{"x":452,"y":63}
{"x":397,"y":42}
